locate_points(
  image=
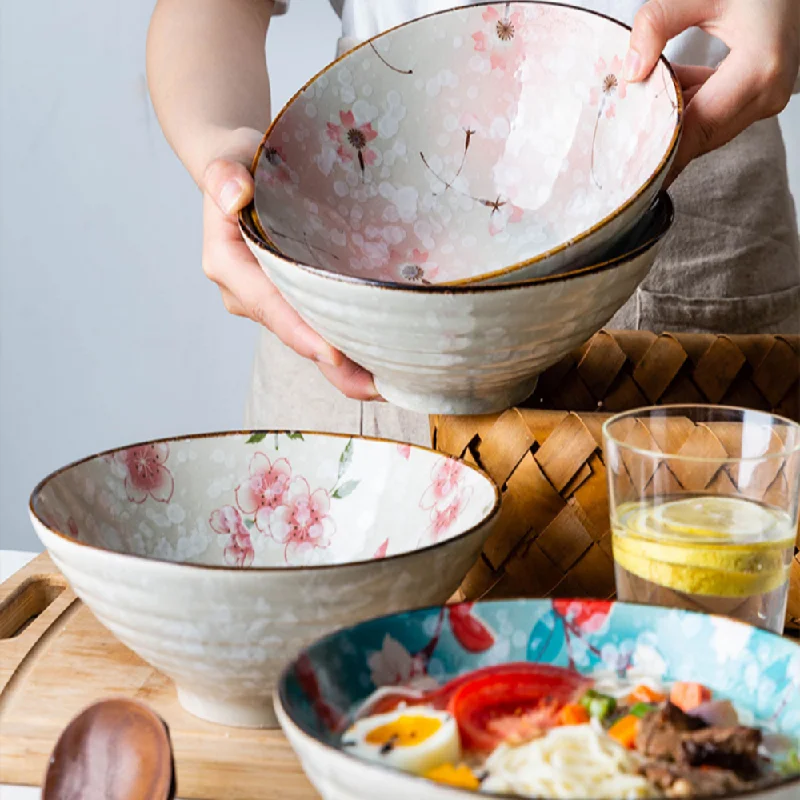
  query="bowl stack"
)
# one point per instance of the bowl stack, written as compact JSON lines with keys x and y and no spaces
{"x":458,"y":216}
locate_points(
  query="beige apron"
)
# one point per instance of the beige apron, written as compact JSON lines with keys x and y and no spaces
{"x":730,"y":265}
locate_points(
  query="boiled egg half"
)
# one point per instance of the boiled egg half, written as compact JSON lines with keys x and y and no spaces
{"x":413,"y":738}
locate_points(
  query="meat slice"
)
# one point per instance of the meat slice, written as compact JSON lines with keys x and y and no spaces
{"x":671,"y":735}
{"x":677,"y":781}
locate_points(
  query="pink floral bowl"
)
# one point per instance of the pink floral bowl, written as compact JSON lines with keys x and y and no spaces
{"x":218,"y":557}
{"x":507,"y":146}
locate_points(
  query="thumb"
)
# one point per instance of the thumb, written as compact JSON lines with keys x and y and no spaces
{"x":229,"y":184}
{"x":656,"y":22}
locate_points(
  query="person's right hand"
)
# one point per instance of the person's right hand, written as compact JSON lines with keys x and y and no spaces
{"x":246,"y":291}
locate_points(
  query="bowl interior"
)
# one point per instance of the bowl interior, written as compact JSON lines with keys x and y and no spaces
{"x":758,"y":671}
{"x":511,"y":134}
{"x":265,"y":499}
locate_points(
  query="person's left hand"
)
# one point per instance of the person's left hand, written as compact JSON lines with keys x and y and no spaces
{"x":755,"y":80}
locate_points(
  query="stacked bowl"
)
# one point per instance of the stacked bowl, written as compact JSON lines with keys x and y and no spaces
{"x":456,"y":217}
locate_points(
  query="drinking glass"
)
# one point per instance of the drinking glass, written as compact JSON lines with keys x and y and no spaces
{"x":704,"y":509}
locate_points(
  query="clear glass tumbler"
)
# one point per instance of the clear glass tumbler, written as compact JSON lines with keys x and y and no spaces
{"x":704,"y":509}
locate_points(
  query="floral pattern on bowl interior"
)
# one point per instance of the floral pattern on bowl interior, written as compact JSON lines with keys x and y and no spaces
{"x":319,"y":691}
{"x":260,"y":499}
{"x":510,"y":135}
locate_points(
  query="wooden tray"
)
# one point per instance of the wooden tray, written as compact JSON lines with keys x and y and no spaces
{"x":56,"y":659}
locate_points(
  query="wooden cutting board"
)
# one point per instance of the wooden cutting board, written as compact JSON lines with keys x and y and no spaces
{"x":56,"y":659}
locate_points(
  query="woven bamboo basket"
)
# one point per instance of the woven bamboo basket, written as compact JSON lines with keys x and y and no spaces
{"x":553,"y":536}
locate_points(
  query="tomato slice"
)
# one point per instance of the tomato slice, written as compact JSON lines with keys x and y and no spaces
{"x":512,"y":703}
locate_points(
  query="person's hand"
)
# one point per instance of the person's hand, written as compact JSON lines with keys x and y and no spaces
{"x":755,"y":80}
{"x":246,"y":291}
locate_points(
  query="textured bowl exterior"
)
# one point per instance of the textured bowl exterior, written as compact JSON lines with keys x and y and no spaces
{"x":509,"y":149}
{"x":758,"y":671}
{"x":475,"y":352}
{"x":223,"y":633}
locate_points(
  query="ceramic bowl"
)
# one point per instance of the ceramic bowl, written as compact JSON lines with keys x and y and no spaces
{"x":758,"y":671}
{"x":464,"y":350}
{"x":506,"y":147}
{"x":218,"y":557}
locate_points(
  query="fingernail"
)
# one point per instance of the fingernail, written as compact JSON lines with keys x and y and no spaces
{"x":632,"y":65}
{"x":229,"y":195}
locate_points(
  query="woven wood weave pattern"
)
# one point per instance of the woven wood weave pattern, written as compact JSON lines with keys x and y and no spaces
{"x":553,"y":535}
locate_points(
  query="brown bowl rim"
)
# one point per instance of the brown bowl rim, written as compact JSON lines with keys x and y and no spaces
{"x":463,"y":282}
{"x":42,"y":484}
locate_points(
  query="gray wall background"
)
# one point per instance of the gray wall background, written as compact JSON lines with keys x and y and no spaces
{"x":109,"y":332}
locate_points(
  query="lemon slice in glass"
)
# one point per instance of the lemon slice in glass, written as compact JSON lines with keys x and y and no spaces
{"x":713,"y":517}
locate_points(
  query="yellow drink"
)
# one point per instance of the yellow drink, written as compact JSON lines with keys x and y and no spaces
{"x":723,"y":555}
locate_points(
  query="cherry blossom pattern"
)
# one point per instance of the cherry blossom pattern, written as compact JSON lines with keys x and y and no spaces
{"x":302,"y":522}
{"x":382,"y":550}
{"x":404,"y":450}
{"x":393,"y":665}
{"x":265,"y":489}
{"x":586,"y":616}
{"x":612,"y":85}
{"x":501,"y":37}
{"x":272,"y":167}
{"x":445,"y":515}
{"x":352,"y":140}
{"x":446,"y":480}
{"x":227,"y":521}
{"x":473,"y":634}
{"x":146,"y":473}
{"x":415,"y":268}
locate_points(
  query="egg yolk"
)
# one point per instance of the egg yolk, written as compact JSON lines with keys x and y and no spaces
{"x":404,"y":731}
{"x":461,"y":776}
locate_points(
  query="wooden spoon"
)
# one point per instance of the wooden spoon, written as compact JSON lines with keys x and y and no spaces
{"x":114,"y":750}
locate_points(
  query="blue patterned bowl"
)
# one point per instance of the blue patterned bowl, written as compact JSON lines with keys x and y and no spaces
{"x":758,"y":671}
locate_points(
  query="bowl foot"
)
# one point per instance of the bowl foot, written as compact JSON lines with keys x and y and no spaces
{"x":240,"y":712}
{"x":478,"y":402}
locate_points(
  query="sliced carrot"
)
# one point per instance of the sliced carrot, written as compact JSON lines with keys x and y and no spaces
{"x":688,"y":695}
{"x":573,"y":714}
{"x":625,"y":731}
{"x":644,"y":694}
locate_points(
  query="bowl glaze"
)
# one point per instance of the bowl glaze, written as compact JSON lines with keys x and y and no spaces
{"x":218,"y":557}
{"x":506,"y":147}
{"x":758,"y":671}
{"x":464,"y":350}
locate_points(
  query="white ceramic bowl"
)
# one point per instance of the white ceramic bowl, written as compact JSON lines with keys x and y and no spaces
{"x":483,"y":144}
{"x":218,"y":557}
{"x":465,"y":350}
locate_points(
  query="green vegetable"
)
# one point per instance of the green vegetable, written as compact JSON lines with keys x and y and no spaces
{"x":598,"y":705}
{"x":641,"y":710}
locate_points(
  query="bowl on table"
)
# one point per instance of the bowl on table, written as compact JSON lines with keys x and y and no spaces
{"x":508,"y":147}
{"x":324,"y":688}
{"x":470,"y":349}
{"x":218,"y":557}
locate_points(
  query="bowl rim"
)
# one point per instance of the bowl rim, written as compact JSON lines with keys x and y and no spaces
{"x":70,"y":540}
{"x":663,"y":199}
{"x":280,"y":698}
{"x":671,"y":150}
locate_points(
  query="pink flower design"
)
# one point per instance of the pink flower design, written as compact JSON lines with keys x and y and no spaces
{"x":272,"y":167}
{"x":404,"y":450}
{"x":446,"y":480}
{"x":265,"y":489}
{"x":393,"y":665}
{"x":147,"y":476}
{"x":382,"y":550}
{"x":507,"y":214}
{"x":302,"y":522}
{"x":612,"y":85}
{"x":501,"y":37}
{"x":413,"y":268}
{"x":445,"y":515}
{"x":227,"y":521}
{"x":587,"y":616}
{"x":352,"y":139}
